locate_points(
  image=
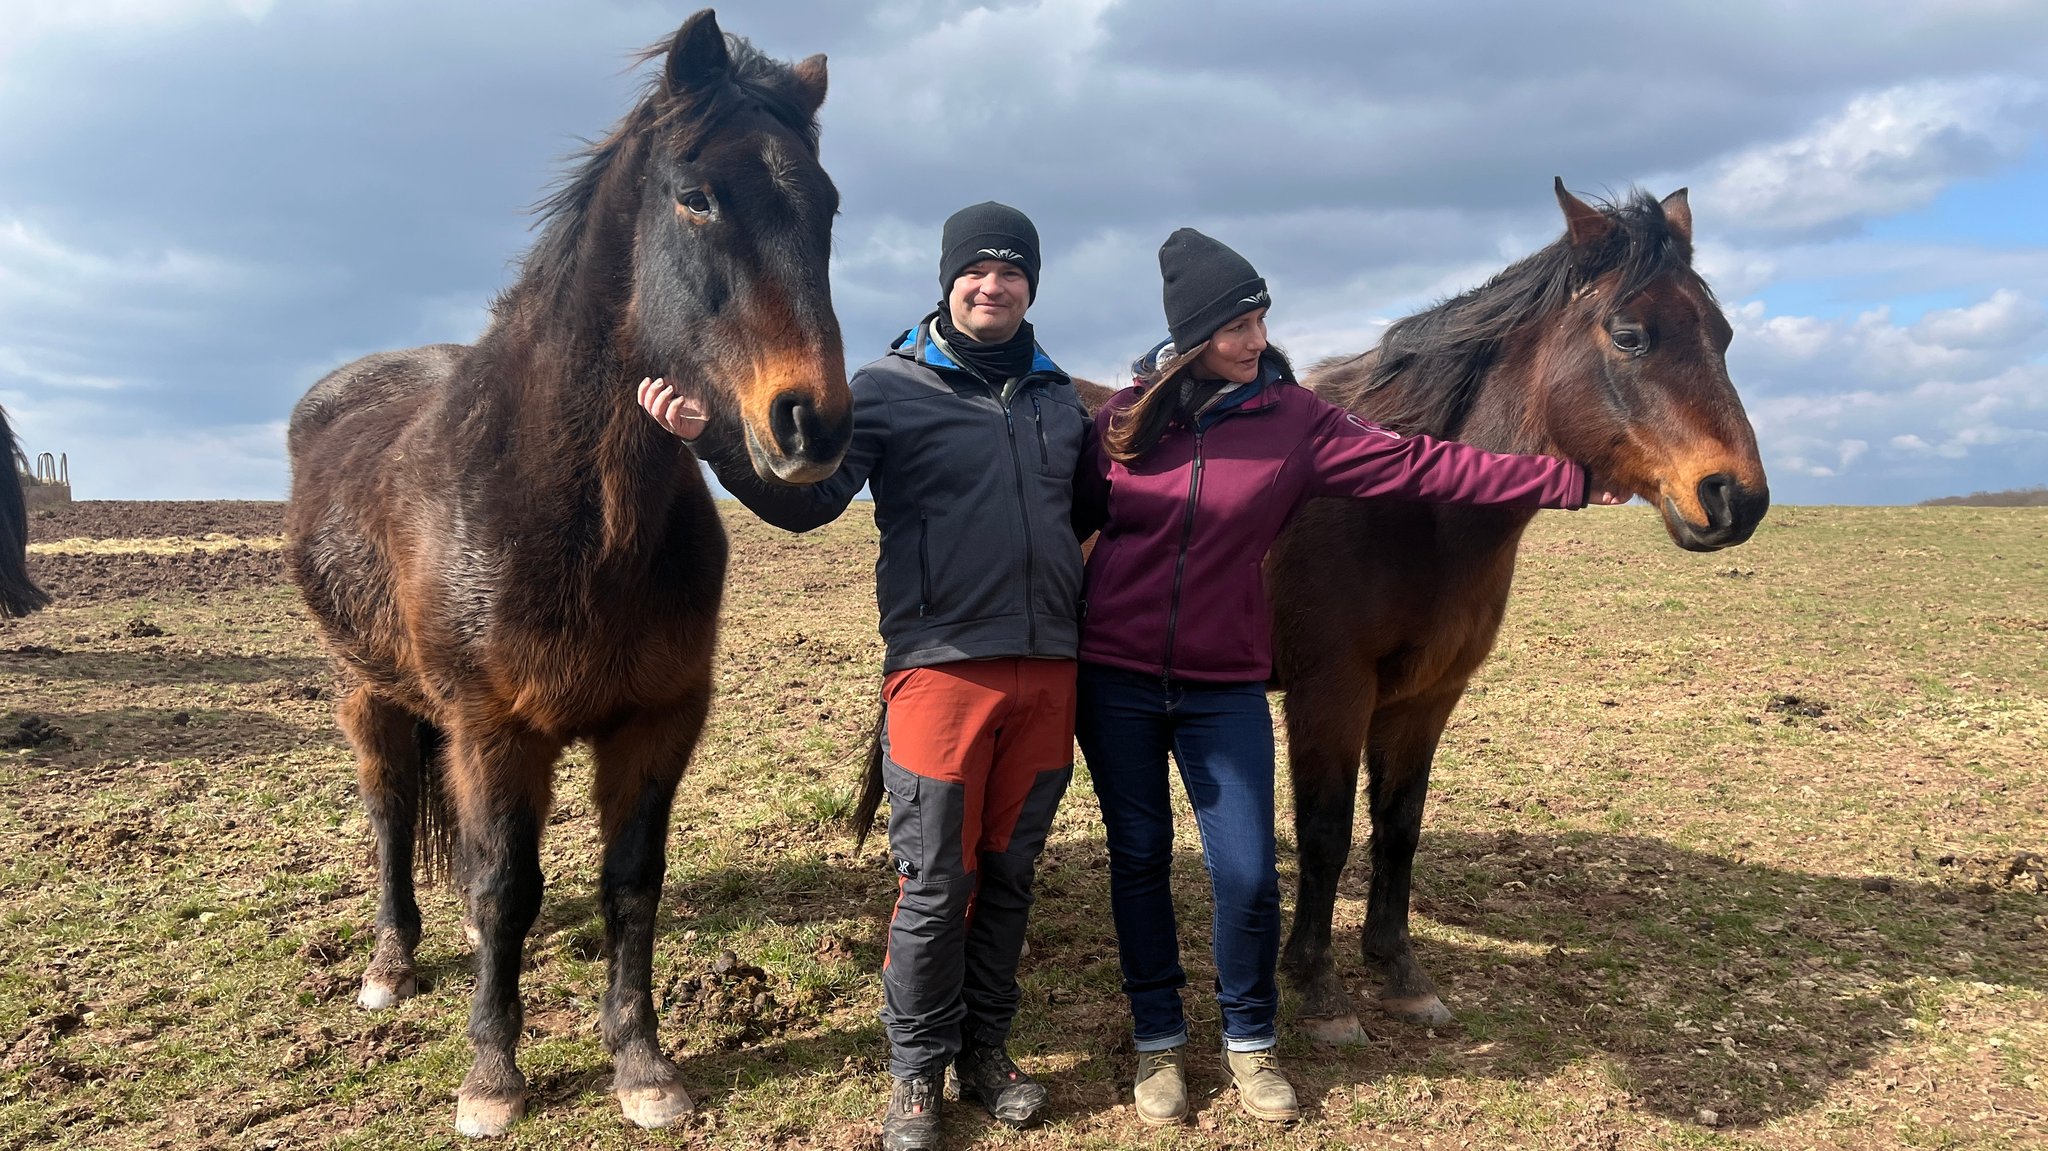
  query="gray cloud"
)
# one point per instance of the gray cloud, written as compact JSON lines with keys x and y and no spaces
{"x":210,"y":202}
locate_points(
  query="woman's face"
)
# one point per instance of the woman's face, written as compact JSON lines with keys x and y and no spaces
{"x":1233,"y":352}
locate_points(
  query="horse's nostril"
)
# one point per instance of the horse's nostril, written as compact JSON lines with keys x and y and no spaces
{"x":793,"y":421}
{"x":799,"y":431}
{"x":1730,"y":506}
{"x":1717,"y":500}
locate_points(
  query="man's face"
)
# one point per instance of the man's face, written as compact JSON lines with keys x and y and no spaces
{"x":989,"y":299}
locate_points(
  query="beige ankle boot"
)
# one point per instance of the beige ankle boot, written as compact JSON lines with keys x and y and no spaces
{"x":1162,"y":1089}
{"x":1262,"y":1090}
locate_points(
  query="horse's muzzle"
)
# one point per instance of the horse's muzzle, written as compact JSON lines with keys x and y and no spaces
{"x":803,"y":446}
{"x":1732,"y":510}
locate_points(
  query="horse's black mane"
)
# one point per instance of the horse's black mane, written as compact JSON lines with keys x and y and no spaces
{"x":1441,"y":355}
{"x":755,"y":80}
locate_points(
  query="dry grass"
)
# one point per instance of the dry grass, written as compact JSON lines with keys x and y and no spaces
{"x":164,"y":545}
{"x":1739,"y":850}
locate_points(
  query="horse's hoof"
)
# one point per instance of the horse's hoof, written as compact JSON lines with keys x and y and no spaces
{"x":487,"y":1118}
{"x":382,"y":991}
{"x":1423,"y":1010}
{"x":656,"y":1106}
{"x":1341,"y":1031}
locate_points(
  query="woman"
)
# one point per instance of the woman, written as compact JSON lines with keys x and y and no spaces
{"x":1195,"y":471}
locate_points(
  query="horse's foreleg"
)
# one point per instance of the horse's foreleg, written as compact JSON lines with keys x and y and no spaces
{"x":1325,"y":736}
{"x":1398,"y":763}
{"x":388,"y":776}
{"x":638,"y":768}
{"x":502,"y":793}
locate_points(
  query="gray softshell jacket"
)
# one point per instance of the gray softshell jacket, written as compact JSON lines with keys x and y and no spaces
{"x":973,"y":491}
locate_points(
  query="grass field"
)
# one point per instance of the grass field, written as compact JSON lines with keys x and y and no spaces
{"x":1739,"y":850}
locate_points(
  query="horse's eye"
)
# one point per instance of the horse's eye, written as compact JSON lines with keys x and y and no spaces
{"x":1628,"y":340}
{"x":695,"y":201}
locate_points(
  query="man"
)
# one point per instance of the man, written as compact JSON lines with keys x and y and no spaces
{"x":967,"y":435}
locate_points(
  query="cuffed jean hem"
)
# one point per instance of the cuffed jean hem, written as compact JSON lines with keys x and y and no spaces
{"x":1178,"y":1039}
{"x":1262,"y":1043}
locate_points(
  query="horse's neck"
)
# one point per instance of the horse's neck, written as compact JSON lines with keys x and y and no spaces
{"x":1499,"y":418}
{"x":562,"y":405}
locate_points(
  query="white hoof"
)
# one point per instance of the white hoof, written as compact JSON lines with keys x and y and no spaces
{"x":380,"y":992}
{"x":487,"y":1118}
{"x":1342,"y":1031}
{"x":654,"y":1106}
{"x":1420,"y":1010}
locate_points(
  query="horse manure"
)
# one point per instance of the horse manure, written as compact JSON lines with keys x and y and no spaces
{"x":33,"y":731}
{"x":181,"y":719}
{"x":141,"y":628}
{"x":1878,"y":883}
{"x":1791,"y":706}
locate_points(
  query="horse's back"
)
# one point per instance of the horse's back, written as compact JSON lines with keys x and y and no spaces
{"x":375,"y":389}
{"x":347,"y":541}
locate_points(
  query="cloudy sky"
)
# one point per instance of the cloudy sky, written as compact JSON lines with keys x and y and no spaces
{"x":207,"y":204}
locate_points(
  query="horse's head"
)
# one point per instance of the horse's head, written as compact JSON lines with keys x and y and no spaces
{"x":1635,"y":383}
{"x":731,"y":296}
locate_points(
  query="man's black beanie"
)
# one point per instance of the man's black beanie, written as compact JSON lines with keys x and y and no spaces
{"x":1206,"y":286}
{"x":987,"y":231}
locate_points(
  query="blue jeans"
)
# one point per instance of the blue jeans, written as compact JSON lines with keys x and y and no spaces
{"x":1221,"y":735}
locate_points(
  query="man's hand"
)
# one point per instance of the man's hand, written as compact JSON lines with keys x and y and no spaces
{"x":684,"y":415}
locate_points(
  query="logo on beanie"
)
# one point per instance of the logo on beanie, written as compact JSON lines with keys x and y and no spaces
{"x":1000,"y":254}
{"x":1261,"y":300}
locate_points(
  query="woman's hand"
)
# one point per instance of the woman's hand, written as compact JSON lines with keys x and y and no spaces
{"x":684,"y":415}
{"x":1600,"y":490}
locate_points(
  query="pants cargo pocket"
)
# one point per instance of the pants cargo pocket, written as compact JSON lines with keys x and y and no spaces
{"x":907,"y":839}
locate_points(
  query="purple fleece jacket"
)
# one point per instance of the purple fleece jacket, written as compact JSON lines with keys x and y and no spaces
{"x":1176,"y":583}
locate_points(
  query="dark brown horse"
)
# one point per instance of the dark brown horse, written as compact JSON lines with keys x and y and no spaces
{"x":1605,"y":347}
{"x":19,"y":594}
{"x":506,"y":555}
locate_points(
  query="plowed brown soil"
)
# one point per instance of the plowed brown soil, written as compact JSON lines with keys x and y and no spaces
{"x":151,"y":519}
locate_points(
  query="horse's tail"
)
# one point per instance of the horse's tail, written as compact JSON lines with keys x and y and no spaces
{"x":19,"y":594}
{"x":863,"y":818}
{"x":434,"y":831}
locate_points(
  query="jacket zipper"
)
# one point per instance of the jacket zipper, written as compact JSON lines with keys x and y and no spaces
{"x":1044,"y":452}
{"x":1180,"y":563}
{"x":1024,"y":522}
{"x":924,"y":565}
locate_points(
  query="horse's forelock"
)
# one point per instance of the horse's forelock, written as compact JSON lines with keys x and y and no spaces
{"x":754,"y":79}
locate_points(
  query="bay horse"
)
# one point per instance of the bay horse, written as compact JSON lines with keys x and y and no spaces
{"x":505,"y":555}
{"x":1605,"y":347}
{"x":19,"y":594}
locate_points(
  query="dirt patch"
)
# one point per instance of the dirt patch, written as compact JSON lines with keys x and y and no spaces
{"x":149,"y":519}
{"x":98,"y":578}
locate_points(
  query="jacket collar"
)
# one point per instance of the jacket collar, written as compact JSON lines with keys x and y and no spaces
{"x":1258,"y":395}
{"x":918,"y":346}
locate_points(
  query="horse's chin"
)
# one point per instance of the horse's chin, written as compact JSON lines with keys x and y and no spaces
{"x":783,"y":471}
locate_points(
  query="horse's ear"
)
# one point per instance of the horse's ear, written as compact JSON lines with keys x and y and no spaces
{"x":1678,"y":214}
{"x":697,"y":58}
{"x":810,"y":81}
{"x":1584,"y":224}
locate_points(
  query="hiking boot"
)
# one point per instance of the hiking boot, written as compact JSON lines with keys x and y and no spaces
{"x":1262,"y":1090}
{"x":1162,"y":1089}
{"x":912,"y":1123}
{"x":987,"y":1074}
